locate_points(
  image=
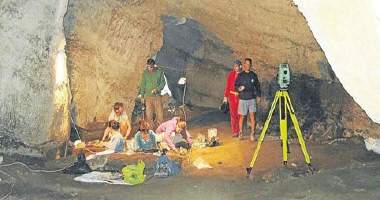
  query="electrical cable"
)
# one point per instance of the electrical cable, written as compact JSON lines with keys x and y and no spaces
{"x":30,"y":169}
{"x":75,"y":127}
{"x":183,"y":101}
{"x":12,"y":185}
{"x":9,"y":193}
{"x":34,"y":170}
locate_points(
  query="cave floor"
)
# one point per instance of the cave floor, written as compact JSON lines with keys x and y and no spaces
{"x":344,"y":170}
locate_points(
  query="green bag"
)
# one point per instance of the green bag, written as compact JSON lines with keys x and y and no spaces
{"x":134,"y":174}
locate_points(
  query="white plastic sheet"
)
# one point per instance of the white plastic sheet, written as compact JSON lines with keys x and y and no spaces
{"x":102,"y":177}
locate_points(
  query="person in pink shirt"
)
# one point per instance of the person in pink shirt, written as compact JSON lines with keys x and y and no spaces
{"x":174,"y":134}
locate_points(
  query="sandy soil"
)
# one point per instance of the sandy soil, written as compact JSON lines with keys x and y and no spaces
{"x":344,"y":170}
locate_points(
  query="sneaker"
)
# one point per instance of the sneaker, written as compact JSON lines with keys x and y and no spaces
{"x":235,"y":135}
{"x":252,"y":136}
{"x":240,"y":135}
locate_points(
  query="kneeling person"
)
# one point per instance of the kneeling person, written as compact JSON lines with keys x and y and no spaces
{"x":174,"y":134}
{"x":116,"y":143}
{"x":118,"y":114}
{"x":145,"y":138}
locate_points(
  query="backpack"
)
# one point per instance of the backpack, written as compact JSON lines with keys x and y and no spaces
{"x":138,"y":110}
{"x":80,"y":166}
{"x":134,"y":174}
{"x":165,"y":167}
{"x":225,"y":108}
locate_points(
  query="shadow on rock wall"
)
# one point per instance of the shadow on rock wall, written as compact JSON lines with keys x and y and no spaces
{"x":323,"y":108}
{"x":190,"y":51}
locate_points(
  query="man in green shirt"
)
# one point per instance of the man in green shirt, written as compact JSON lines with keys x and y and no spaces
{"x":152,"y":82}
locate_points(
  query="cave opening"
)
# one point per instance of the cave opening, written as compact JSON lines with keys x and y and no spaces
{"x":109,"y":43}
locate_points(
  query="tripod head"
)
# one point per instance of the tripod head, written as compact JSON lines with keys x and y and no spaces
{"x":283,"y":76}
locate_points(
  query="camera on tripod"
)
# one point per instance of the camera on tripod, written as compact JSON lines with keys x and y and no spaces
{"x":283,"y":76}
{"x":285,"y":107}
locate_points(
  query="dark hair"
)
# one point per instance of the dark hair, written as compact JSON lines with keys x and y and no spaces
{"x":250,"y":61}
{"x":150,"y":61}
{"x":114,"y":125}
{"x":184,"y":134}
{"x":117,"y":105}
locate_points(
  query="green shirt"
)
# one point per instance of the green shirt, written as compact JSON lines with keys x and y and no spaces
{"x":152,"y":80}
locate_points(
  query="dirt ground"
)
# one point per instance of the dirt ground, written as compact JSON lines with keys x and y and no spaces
{"x":344,"y":170}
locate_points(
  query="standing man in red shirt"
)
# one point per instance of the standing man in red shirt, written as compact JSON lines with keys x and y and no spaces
{"x":232,"y":97}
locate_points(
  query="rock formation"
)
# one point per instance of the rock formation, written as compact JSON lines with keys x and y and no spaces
{"x":109,"y":42}
{"x":34,"y":114}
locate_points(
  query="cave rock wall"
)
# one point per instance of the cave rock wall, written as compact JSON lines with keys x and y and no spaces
{"x":109,"y":41}
{"x":108,"y":44}
{"x":34,"y":94}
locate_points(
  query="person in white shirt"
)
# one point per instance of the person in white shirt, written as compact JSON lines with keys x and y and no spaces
{"x":118,"y":114}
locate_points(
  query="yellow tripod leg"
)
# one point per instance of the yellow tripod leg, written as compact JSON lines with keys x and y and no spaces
{"x":263,"y":131}
{"x":297,"y":128}
{"x":283,"y":126}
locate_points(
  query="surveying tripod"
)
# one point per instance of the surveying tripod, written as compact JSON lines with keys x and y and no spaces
{"x":284,"y":105}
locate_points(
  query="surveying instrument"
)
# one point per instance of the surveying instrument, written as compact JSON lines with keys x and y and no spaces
{"x":282,"y":98}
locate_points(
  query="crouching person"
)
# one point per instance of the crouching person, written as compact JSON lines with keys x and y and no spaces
{"x":116,"y":142}
{"x":174,"y":135}
{"x":145,"y":138}
{"x":118,"y":114}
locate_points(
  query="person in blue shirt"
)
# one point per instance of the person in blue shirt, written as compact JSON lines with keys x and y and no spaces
{"x":145,"y":138}
{"x":116,"y":143}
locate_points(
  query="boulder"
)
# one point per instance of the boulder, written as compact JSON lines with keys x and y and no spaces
{"x":35,"y":96}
